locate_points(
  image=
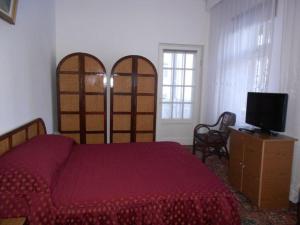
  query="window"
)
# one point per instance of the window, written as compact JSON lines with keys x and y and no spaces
{"x":241,"y":51}
{"x":178,"y":84}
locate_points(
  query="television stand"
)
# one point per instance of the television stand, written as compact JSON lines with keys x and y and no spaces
{"x":265,"y":131}
{"x":259,"y":131}
{"x":251,"y":131}
{"x":260,"y":167}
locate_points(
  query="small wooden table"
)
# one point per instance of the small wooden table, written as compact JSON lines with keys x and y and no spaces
{"x":13,"y":221}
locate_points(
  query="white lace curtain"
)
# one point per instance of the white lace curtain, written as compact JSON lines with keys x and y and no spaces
{"x":239,"y":55}
{"x":289,"y":78}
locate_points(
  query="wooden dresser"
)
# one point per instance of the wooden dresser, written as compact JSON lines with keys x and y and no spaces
{"x":260,"y":167}
{"x":81,"y":98}
{"x":83,"y":114}
{"x":133,"y":100}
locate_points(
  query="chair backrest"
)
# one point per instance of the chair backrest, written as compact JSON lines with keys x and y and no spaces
{"x":227,"y":119}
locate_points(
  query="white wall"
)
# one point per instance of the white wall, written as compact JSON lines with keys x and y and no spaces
{"x":112,"y":29}
{"x":211,"y":3}
{"x":27,"y":59}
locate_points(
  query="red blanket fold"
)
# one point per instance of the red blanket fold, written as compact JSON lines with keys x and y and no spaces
{"x":134,"y":184}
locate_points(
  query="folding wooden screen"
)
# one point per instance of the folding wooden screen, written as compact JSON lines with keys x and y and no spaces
{"x":82,"y":98}
{"x":133,"y":100}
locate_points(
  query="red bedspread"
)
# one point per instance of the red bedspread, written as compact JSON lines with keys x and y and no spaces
{"x":152,"y":183}
{"x":52,"y":181}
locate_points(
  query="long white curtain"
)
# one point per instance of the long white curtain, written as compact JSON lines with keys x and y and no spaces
{"x":239,"y":55}
{"x":289,"y":77}
{"x":240,"y":58}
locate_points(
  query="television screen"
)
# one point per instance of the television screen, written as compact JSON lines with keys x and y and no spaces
{"x":267,"y":110}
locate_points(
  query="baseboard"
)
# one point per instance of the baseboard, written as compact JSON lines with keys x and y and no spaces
{"x":294,"y":194}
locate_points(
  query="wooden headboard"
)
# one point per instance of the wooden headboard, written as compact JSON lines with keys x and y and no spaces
{"x":21,"y":134}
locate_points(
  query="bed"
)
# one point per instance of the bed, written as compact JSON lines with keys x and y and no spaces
{"x":51,"y":180}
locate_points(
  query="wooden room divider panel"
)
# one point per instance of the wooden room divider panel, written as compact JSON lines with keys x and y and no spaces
{"x":133,"y":100}
{"x":82,"y":98}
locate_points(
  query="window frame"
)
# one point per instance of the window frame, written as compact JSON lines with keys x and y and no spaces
{"x":197,"y":50}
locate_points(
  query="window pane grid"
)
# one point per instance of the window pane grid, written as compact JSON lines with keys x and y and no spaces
{"x":173,"y":75}
{"x":184,"y":63}
{"x":171,"y":68}
{"x":193,"y":52}
{"x":178,"y":85}
{"x":167,"y":85}
{"x":171,"y":102}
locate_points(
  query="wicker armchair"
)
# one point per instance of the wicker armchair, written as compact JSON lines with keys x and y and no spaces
{"x":213,"y":140}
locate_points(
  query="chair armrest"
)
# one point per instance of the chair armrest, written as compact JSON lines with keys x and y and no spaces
{"x":199,"y":126}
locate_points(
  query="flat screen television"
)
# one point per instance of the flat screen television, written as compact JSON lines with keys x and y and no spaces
{"x":267,"y":111}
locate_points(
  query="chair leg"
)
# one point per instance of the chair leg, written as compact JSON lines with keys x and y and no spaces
{"x":218,"y":150}
{"x":194,"y":146}
{"x":298,"y":213}
{"x":226,"y":152}
{"x":204,"y":154}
